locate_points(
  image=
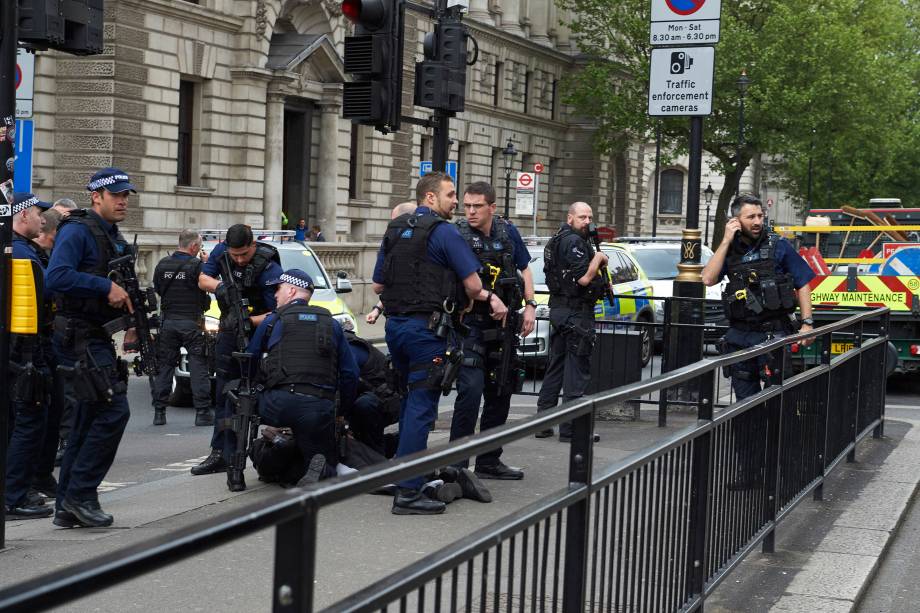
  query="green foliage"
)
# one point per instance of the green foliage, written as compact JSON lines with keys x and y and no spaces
{"x":834,"y":80}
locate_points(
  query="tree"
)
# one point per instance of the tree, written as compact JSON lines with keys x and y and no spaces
{"x":836,"y":80}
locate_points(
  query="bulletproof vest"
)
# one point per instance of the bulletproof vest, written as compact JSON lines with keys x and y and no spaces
{"x":95,"y":309}
{"x":177,"y":278}
{"x":412,"y":282}
{"x":756,"y":292}
{"x":306,"y":355}
{"x":248,"y":276}
{"x":496,"y":254}
{"x":561,"y":281}
{"x":377,"y":374}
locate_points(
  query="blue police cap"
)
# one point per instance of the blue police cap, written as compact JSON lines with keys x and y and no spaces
{"x":113,"y":180}
{"x":25,"y":200}
{"x":294,"y":276}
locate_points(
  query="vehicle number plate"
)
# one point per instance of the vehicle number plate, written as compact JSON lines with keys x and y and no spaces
{"x":841,"y":347}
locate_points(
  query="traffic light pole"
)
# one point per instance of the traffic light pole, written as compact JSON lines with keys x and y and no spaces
{"x":8,"y":46}
{"x":441,"y":141}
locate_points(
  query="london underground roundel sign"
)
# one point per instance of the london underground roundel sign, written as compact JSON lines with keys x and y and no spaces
{"x":685,"y":7}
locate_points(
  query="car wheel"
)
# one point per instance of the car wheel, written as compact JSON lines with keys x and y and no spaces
{"x":182,"y":393}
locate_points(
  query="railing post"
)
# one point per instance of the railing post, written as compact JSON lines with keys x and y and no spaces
{"x":698,"y":513}
{"x":581,"y":454}
{"x":295,"y":562}
{"x":879,"y":430}
{"x":774,"y":408}
{"x":825,"y":356}
{"x":665,"y":366}
{"x":857,"y":343}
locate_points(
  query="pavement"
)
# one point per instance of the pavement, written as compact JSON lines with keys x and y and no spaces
{"x":826,"y":551}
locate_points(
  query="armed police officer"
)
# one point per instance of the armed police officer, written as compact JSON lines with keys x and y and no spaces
{"x":575,"y":283}
{"x":182,"y":308}
{"x":307,"y":361}
{"x":491,"y":368}
{"x":237,"y":272}
{"x":378,"y":400}
{"x":29,"y":368}
{"x":425,"y":274}
{"x":766,"y":278}
{"x":85,"y":300}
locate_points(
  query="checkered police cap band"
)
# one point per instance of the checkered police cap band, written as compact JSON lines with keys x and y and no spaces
{"x":286,"y":278}
{"x":25,"y":204}
{"x":106,"y":181}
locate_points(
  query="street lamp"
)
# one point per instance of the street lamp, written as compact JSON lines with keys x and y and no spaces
{"x":743,"y":82}
{"x":509,"y":152}
{"x":707,"y":198}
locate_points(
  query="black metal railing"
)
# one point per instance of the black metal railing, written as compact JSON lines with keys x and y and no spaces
{"x":656,"y":531}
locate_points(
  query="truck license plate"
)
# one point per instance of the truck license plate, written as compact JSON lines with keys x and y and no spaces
{"x":841,"y":347}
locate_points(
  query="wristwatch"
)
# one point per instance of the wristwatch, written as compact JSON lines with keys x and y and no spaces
{"x":531,"y":302}
{"x":808,"y":321}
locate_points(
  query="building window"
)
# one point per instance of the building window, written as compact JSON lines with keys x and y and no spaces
{"x":672,"y":192}
{"x":423,"y":149}
{"x":528,"y":77}
{"x":356,"y":163}
{"x":186,"y":154}
{"x":554,"y":103}
{"x":497,"y":90}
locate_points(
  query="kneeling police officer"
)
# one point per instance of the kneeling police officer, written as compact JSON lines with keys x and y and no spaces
{"x":307,"y":361}
{"x":766,"y":277}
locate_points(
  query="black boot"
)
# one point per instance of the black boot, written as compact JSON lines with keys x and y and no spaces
{"x":413,"y":502}
{"x":214,"y":463}
{"x":499,"y":470}
{"x":315,"y":470}
{"x":472,"y":487}
{"x":235,"y":480}
{"x":26,"y":510}
{"x":87,"y":513}
{"x":204,"y":417}
{"x":159,"y":416}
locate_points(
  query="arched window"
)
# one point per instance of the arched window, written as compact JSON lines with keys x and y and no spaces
{"x":672,"y":192}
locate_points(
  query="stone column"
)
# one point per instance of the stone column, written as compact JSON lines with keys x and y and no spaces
{"x":479,"y":10}
{"x":539,"y":22}
{"x":563,"y":33}
{"x":328,"y":172}
{"x":274,"y":162}
{"x":511,"y":17}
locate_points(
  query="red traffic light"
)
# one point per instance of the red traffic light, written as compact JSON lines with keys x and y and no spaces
{"x":368,"y":13}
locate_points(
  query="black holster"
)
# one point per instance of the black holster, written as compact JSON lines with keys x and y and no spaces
{"x":30,"y":386}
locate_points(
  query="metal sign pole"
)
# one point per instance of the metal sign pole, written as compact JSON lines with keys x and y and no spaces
{"x":8,"y":32}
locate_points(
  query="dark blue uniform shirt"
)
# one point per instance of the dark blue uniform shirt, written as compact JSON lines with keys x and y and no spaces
{"x":348,"y":368}
{"x":787,"y":260}
{"x":445,"y":248}
{"x":361,"y":355}
{"x":75,"y":246}
{"x":272,"y":271}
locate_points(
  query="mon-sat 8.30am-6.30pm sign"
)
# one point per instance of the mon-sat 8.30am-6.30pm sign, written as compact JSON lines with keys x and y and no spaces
{"x":685,"y":22}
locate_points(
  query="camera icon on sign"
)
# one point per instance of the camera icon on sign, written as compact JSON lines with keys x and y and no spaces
{"x":680,"y":62}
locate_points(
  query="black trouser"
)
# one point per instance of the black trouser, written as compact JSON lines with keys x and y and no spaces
{"x":569,"y":366}
{"x":176,"y":333}
{"x":60,"y":417}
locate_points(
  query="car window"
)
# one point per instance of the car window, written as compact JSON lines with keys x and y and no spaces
{"x":661,"y":262}
{"x":536,"y":268}
{"x":307,"y":262}
{"x":630,"y":267}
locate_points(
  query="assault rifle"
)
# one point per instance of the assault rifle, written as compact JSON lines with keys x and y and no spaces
{"x":238,"y":306}
{"x":508,"y":375}
{"x":245,"y":419}
{"x":608,"y":292}
{"x":143,"y":319}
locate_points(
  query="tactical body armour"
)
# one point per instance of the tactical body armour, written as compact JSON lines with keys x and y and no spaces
{"x":496,"y":254}
{"x":377,"y":374}
{"x":756,"y":292}
{"x":248,"y":278}
{"x":306,"y":357}
{"x":95,"y":309}
{"x":412,"y":283}
{"x":561,"y":280}
{"x":177,"y":278}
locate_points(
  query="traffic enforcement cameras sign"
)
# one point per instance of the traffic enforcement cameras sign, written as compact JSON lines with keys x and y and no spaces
{"x":680,"y":81}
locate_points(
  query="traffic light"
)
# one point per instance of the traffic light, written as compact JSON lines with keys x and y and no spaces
{"x":72,"y":26}
{"x":440,"y":80}
{"x":373,"y":59}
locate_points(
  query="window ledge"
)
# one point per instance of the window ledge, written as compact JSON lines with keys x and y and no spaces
{"x":194,"y":190}
{"x":360,"y":203}
{"x":671,"y":215}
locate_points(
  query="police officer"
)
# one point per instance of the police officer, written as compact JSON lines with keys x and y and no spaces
{"x":425,"y":273}
{"x":307,"y":360}
{"x":182,"y":308}
{"x":502,"y":254}
{"x":573,"y":277}
{"x":378,"y":399}
{"x":252,"y":264}
{"x":766,"y":278}
{"x":85,"y":299}
{"x":28,"y":400}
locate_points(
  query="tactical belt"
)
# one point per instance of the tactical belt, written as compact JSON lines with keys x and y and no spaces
{"x":771,"y":325}
{"x":307,"y":389}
